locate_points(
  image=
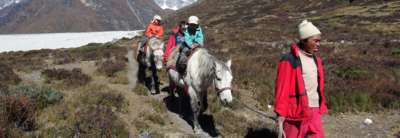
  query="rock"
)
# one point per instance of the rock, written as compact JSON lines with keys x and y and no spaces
{"x":313,"y":12}
{"x":144,"y":134}
{"x":368,"y":121}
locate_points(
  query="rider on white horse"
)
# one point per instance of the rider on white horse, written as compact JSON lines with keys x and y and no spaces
{"x":154,"y":29}
{"x":193,"y":38}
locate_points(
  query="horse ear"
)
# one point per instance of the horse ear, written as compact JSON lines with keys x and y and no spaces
{"x":229,"y":63}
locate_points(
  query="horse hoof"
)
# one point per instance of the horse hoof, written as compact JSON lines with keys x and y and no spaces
{"x":153,"y":92}
{"x":197,"y":131}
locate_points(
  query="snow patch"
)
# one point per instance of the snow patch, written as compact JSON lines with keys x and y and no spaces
{"x":91,"y":3}
{"x":174,"y":4}
{"x":26,"y":42}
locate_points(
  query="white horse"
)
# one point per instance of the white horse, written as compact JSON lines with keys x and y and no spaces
{"x":202,"y":71}
{"x":151,"y":59}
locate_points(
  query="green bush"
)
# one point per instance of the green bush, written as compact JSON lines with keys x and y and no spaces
{"x":42,"y":96}
{"x":19,"y":107}
{"x":353,"y":73}
{"x":351,"y":101}
{"x":396,"y":52}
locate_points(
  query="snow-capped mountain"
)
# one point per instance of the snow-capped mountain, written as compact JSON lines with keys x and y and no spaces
{"x":47,"y":16}
{"x":174,"y":4}
{"x":6,"y":3}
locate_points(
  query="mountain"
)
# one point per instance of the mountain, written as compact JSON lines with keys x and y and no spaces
{"x":174,"y":4}
{"x":43,"y":16}
{"x":6,"y":3}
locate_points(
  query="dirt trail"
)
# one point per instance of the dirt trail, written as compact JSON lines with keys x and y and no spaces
{"x":181,"y":126}
{"x":132,"y":68}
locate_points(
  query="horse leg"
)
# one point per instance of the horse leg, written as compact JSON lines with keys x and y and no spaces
{"x":195,"y":104}
{"x":204,"y":104}
{"x":172,"y":82}
{"x":141,"y":73}
{"x":155,"y":86}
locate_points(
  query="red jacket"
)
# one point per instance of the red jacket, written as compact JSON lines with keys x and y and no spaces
{"x":290,"y":95}
{"x":171,"y":42}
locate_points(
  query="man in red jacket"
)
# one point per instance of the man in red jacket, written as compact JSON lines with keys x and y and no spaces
{"x":299,"y":87}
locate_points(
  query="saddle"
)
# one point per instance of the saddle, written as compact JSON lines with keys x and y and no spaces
{"x":172,"y":58}
{"x":172,"y":61}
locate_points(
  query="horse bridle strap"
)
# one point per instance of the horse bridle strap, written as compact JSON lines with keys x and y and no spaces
{"x":223,"y":89}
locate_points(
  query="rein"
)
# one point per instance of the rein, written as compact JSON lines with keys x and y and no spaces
{"x":219,"y":91}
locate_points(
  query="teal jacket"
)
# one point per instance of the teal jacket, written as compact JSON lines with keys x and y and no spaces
{"x":197,"y":38}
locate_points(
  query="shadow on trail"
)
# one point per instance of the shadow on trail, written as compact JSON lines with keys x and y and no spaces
{"x":181,"y":106}
{"x":260,"y":133}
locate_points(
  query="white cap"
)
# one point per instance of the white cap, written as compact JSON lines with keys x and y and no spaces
{"x":193,"y":20}
{"x":157,"y":17}
{"x":307,"y":29}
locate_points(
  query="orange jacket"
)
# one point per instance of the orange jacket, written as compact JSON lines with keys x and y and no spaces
{"x":154,"y":30}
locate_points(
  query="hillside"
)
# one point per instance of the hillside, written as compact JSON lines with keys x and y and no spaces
{"x":91,"y":91}
{"x":45,"y":16}
{"x":360,"y":45}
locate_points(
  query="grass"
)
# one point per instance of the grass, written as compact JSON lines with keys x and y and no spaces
{"x":396,"y":130}
{"x":158,"y":106}
{"x":360,"y":102}
{"x":120,"y":78}
{"x":141,"y":90}
{"x":147,"y":120}
{"x":229,"y":122}
{"x":396,"y":52}
{"x":102,"y":96}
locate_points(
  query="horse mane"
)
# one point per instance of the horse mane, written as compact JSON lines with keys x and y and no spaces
{"x":205,"y":68}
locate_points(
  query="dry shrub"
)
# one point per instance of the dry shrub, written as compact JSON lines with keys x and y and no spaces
{"x":96,"y":116}
{"x":7,"y":75}
{"x":99,"y":122}
{"x":109,"y":99}
{"x":96,"y":51}
{"x":63,"y":57}
{"x":25,"y":61}
{"x":19,"y":112}
{"x":73,"y":77}
{"x":110,"y":67}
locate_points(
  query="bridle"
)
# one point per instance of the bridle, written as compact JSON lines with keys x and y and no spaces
{"x":220,"y":90}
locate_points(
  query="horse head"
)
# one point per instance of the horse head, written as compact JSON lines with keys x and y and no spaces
{"x":223,"y":81}
{"x":157,"y":47}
